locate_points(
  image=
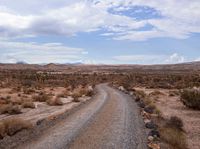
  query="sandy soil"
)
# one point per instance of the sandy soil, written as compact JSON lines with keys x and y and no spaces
{"x":42,"y":110}
{"x":172,"y":106}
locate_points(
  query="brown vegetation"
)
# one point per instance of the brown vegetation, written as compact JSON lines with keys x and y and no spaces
{"x":10,"y":109}
{"x":28,"y":104}
{"x":191,"y":98}
{"x":12,"y":126}
{"x":42,"y":97}
{"x":55,"y":101}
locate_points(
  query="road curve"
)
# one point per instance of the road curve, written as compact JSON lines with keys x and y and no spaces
{"x":111,"y":120}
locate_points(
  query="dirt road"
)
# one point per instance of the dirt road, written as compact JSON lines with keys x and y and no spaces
{"x":111,"y":120}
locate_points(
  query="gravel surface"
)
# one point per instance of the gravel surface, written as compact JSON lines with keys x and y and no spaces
{"x":111,"y":120}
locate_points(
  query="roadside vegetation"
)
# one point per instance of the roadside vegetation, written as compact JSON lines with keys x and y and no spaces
{"x":191,"y":98}
{"x":10,"y":127}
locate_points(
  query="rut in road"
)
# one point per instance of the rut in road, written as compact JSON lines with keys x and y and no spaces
{"x":110,"y":120}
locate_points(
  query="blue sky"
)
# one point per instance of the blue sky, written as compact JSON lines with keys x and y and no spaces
{"x":100,"y":32}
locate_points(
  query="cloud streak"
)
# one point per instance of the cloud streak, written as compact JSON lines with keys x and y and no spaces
{"x":12,"y":52}
{"x":150,"y":59}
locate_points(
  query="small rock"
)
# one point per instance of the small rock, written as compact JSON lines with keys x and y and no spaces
{"x":153,"y":146}
{"x":121,"y":88}
{"x":154,"y":133}
{"x":131,"y":93}
{"x":141,"y":104}
{"x":150,"y":138}
{"x":146,"y":120}
{"x":149,"y":109}
{"x":146,"y":115}
{"x":39,"y":122}
{"x":151,"y":125}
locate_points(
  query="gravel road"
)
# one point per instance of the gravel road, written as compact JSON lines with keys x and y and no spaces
{"x":110,"y":120}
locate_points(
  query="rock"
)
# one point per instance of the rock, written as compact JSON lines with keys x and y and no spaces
{"x":121,"y":88}
{"x":150,"y":138}
{"x":141,"y":104}
{"x":131,"y":93}
{"x":90,"y":88}
{"x":39,"y":122}
{"x":137,"y":98}
{"x":149,"y":109}
{"x":153,"y":146}
{"x":154,"y":133}
{"x":146,"y":120}
{"x":145,"y":115}
{"x":151,"y":125}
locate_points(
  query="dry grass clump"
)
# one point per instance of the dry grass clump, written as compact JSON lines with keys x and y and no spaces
{"x":156,"y":93}
{"x":10,"y":109}
{"x":76,"y":97}
{"x":175,"y":138}
{"x":55,"y":101}
{"x":28,"y":104}
{"x":80,"y":92}
{"x":11,"y":126}
{"x":28,"y":91}
{"x":83,"y":92}
{"x":17,"y":102}
{"x":191,"y":98}
{"x":42,"y":97}
{"x":175,"y":122}
{"x":140,"y":94}
{"x":174,"y":93}
{"x":172,"y":133}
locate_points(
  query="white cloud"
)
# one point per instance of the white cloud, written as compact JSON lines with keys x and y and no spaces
{"x":179,"y":18}
{"x":175,"y":58}
{"x":150,"y":59}
{"x":12,"y":52}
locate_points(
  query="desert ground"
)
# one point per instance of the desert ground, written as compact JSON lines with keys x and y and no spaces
{"x":88,"y":106}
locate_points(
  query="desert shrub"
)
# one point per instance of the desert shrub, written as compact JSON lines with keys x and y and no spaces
{"x":175,"y":122}
{"x":156,"y":93}
{"x":3,"y":101}
{"x":42,"y":97}
{"x":10,"y":109}
{"x":14,"y":109}
{"x":89,"y":93}
{"x":8,"y":97}
{"x":75,"y":97}
{"x":28,"y":104}
{"x":61,"y":95}
{"x":83,"y":91}
{"x":173,"y":93}
{"x":16,"y":102}
{"x":140,"y":93}
{"x":191,"y":98}
{"x":5,"y":108}
{"x":12,"y":126}
{"x":174,"y":137}
{"x":28,"y":90}
{"x":55,"y":102}
{"x":2,"y":130}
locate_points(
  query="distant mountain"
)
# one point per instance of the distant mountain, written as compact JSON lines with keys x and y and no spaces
{"x":76,"y":63}
{"x":84,"y":67}
{"x":21,"y":62}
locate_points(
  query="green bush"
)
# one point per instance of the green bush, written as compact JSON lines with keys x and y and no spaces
{"x":191,"y":98}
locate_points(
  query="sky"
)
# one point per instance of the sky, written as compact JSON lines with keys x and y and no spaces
{"x":99,"y":31}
